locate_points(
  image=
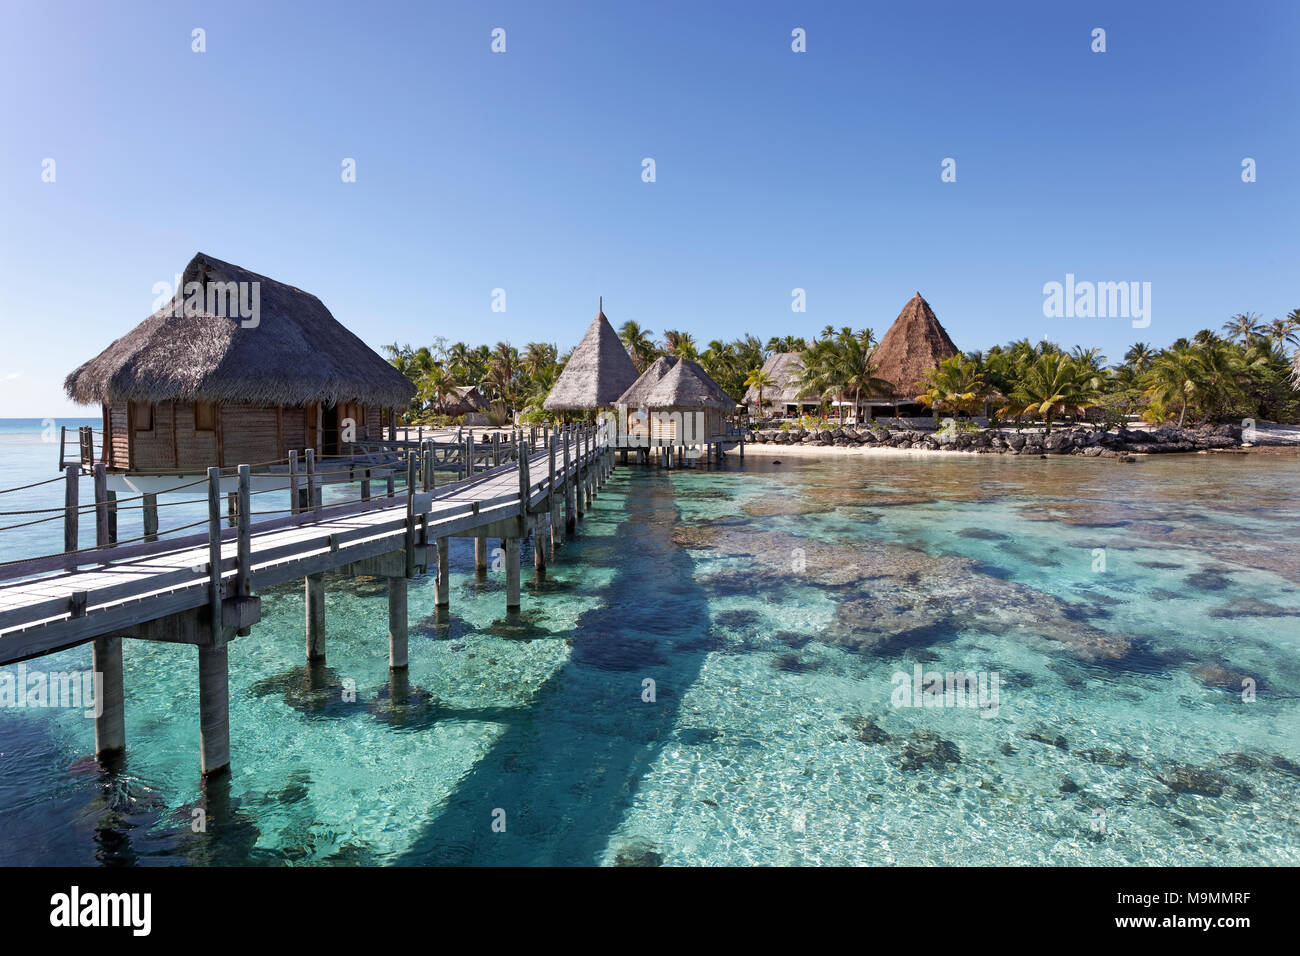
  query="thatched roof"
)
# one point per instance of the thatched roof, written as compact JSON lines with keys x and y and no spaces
{"x":597,"y":373}
{"x":640,"y":390}
{"x":296,"y":354}
{"x":785,"y":369}
{"x":686,"y":385}
{"x":463,"y":400}
{"x":914,"y":344}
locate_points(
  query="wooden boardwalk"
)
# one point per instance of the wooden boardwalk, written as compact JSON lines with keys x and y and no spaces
{"x":201,"y":589}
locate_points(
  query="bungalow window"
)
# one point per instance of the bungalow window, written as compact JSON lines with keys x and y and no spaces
{"x":205,"y":417}
{"x":142,"y":416}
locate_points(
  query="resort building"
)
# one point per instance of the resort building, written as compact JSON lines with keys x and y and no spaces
{"x":782,"y":396}
{"x":913,"y":345}
{"x":199,"y":383}
{"x":597,"y":373}
{"x":466,"y":400}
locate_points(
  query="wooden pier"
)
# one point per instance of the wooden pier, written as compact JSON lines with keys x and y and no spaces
{"x":202,"y":589}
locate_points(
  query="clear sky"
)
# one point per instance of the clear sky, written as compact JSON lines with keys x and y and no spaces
{"x":522,"y":170}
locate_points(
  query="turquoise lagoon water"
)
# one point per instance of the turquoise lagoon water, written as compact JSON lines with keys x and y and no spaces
{"x":771,"y":606}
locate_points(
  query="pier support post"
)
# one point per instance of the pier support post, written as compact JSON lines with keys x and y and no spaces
{"x":214,"y":707}
{"x":539,"y":547}
{"x":315,"y":584}
{"x":444,"y":573}
{"x":71,"y":510}
{"x":397,"y":658}
{"x":568,"y":483}
{"x":110,"y":725}
{"x":552,"y":502}
{"x":512,"y":574}
{"x":150,"y":517}
{"x":480,"y":553}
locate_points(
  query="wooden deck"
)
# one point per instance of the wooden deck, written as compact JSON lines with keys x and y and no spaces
{"x":201,"y":589}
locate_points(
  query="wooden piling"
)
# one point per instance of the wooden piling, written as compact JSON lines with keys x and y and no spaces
{"x":553,"y":499}
{"x":110,"y":725}
{"x":101,"y":506}
{"x":150,"y":512}
{"x":397,"y":642}
{"x":214,"y":707}
{"x":294,"y":502}
{"x":315,"y":597}
{"x":512,"y":574}
{"x":314,"y":494}
{"x":480,"y":553}
{"x":410,"y":514}
{"x":71,"y":508}
{"x":214,"y":550}
{"x":444,"y":573}
{"x":568,"y":484}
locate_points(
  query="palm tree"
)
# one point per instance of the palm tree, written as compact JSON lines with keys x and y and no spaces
{"x":1174,"y":376}
{"x":759,"y":380}
{"x":956,"y":385}
{"x":786,"y":343}
{"x":1138,"y":358}
{"x":1283,"y":332}
{"x":1052,"y":384}
{"x":679,"y":344}
{"x":436,"y":386}
{"x":1244,"y":326}
{"x":639,"y":344}
{"x":855,"y":372}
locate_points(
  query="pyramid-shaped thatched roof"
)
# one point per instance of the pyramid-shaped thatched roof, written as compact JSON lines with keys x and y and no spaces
{"x":295,"y":354}
{"x":597,"y":373}
{"x":640,"y":390}
{"x":914,"y":344}
{"x":687,"y":385}
{"x":785,"y":369}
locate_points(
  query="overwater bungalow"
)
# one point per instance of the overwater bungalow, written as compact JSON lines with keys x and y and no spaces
{"x":195,"y":386}
{"x":675,"y":403}
{"x":597,"y":373}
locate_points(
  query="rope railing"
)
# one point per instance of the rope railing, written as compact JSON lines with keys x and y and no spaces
{"x":34,"y":484}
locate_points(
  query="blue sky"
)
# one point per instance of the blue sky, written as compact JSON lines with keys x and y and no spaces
{"x":775,"y":170}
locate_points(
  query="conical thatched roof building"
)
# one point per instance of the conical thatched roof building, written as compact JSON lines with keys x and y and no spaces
{"x":687,"y":386}
{"x":237,"y":369}
{"x":597,"y":373}
{"x":914,"y":344}
{"x":639,"y":391}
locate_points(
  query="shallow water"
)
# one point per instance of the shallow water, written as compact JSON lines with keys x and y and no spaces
{"x":1120,"y":607}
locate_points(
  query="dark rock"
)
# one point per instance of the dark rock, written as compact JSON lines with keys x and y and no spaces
{"x":925,"y":748}
{"x":1044,"y":736}
{"x":866,"y":730}
{"x":1185,"y":778}
{"x":638,"y":854}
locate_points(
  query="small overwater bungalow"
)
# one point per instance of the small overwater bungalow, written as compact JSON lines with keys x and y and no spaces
{"x":194,"y":386}
{"x":675,"y":404}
